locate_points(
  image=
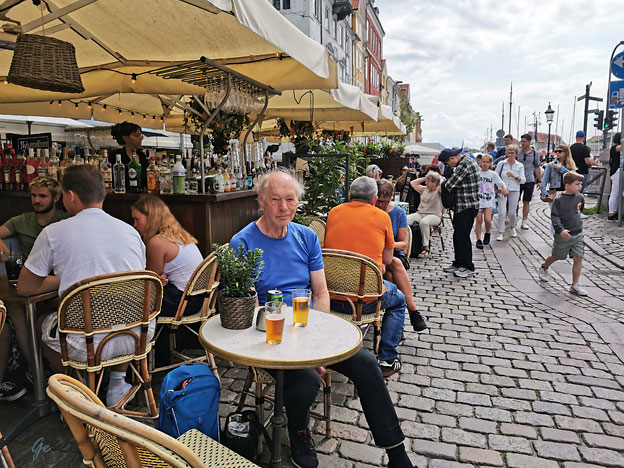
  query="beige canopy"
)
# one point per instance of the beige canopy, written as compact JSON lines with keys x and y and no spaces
{"x":347,"y":102}
{"x":386,"y":124}
{"x":115,"y":39}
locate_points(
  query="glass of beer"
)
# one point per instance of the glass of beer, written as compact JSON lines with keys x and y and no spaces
{"x":301,"y":306}
{"x":274,"y":322}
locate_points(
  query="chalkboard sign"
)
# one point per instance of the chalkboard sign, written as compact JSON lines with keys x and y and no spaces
{"x":596,"y":181}
{"x":21,"y":143}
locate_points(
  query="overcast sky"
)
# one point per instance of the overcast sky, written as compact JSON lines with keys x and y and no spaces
{"x":460,"y":57}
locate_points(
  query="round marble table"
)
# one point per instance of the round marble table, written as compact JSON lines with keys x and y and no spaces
{"x":326,"y":340}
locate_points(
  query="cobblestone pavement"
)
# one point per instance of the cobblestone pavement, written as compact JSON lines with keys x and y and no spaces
{"x":511,"y":372}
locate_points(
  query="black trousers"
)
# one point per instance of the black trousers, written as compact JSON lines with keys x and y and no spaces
{"x":301,"y":387}
{"x":462,"y":226}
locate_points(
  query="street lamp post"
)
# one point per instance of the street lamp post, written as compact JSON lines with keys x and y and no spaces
{"x":549,"y":118}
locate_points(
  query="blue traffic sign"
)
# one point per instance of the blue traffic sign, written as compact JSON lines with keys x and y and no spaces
{"x":617,"y":65}
{"x":616,"y":95}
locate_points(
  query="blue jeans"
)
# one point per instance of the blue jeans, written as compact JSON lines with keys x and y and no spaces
{"x":585,"y":179}
{"x":393,"y":301}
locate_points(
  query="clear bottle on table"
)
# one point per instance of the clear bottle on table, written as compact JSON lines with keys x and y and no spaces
{"x":179,"y":176}
{"x":107,"y":172}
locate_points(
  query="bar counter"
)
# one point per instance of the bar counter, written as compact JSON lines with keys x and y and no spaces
{"x":210,"y":218}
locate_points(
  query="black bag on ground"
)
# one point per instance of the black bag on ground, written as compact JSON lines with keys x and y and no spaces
{"x":417,"y":244}
{"x":241,"y":432}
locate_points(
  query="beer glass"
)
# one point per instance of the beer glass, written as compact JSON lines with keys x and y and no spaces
{"x":301,"y":306}
{"x":274,"y":322}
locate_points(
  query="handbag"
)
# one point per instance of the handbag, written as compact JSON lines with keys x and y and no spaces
{"x":550,"y":197}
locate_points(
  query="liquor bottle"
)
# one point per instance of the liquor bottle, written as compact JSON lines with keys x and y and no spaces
{"x":53,"y":166}
{"x":78,"y":160}
{"x":107,"y":172}
{"x":42,"y":168}
{"x":179,"y":176}
{"x":6,"y":172}
{"x":119,"y":175}
{"x":134,"y":175}
{"x":20,"y":172}
{"x":220,"y":182}
{"x":245,"y":180}
{"x":191,"y":180}
{"x":166,"y":181}
{"x":31,"y":167}
{"x":2,"y":164}
{"x":226,"y":180}
{"x":153,"y":181}
{"x":65,"y":162}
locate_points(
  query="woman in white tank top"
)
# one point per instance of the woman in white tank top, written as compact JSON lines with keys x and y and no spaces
{"x":172,"y":254}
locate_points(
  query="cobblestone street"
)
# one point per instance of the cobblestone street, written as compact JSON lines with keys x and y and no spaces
{"x":511,"y":372}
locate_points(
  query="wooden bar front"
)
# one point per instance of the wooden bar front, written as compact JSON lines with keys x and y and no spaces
{"x":210,"y":218}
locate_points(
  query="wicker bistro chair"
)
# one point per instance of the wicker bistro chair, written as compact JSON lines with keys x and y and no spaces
{"x":318,"y":226}
{"x":113,"y":304}
{"x":108,"y":439}
{"x":437,"y":229}
{"x":5,"y":455}
{"x":203,"y":282}
{"x":354,"y":278}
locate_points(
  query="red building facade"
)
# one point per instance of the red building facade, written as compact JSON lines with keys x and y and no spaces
{"x":374,"y":50}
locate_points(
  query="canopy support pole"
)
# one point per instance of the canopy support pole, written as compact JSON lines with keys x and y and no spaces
{"x":205,"y":126}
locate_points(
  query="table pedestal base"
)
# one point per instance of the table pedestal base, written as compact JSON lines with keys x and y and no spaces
{"x":278,"y":420}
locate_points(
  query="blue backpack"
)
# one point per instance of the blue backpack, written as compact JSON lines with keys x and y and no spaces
{"x":189,"y":399}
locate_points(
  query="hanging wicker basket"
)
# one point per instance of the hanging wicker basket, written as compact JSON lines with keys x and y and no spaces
{"x":46,"y":63}
{"x":236,"y":312}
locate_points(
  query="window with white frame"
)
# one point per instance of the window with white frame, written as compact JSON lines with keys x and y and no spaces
{"x":326,"y":17}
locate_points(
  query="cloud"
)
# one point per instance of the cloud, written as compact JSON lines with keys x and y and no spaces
{"x":460,"y":57}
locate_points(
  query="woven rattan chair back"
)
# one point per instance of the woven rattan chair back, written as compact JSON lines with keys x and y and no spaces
{"x":5,"y":456}
{"x":203,"y":282}
{"x":318,"y":226}
{"x":112,"y":304}
{"x":108,"y":439}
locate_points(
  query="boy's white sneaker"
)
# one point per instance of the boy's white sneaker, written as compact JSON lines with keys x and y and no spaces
{"x":576,"y":289}
{"x":543,"y":274}
{"x":500,"y":237}
{"x":514,"y":233}
{"x":524,"y":225}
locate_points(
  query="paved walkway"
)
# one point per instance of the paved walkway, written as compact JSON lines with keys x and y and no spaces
{"x":512,"y":372}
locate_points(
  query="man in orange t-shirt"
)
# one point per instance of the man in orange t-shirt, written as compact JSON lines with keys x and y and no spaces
{"x":358,"y":226}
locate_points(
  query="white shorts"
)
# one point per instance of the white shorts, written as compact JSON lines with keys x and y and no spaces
{"x":77,"y":346}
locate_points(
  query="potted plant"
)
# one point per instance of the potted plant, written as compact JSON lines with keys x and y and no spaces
{"x":237,"y":297}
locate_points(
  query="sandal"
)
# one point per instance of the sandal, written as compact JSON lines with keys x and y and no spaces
{"x":423,"y":253}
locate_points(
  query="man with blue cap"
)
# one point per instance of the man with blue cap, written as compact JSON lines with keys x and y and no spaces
{"x":465,"y":183}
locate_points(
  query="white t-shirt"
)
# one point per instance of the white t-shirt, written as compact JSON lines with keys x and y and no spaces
{"x":180,"y":269}
{"x":89,"y":244}
{"x":487,"y":193}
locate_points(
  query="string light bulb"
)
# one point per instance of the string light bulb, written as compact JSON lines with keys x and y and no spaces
{"x":134,"y":77}
{"x":144,"y":117}
{"x":60,"y":103}
{"x":104,"y":106}
{"x":6,"y":81}
{"x":119,"y":111}
{"x":89,"y":105}
{"x":76,"y":105}
{"x":132,"y":113}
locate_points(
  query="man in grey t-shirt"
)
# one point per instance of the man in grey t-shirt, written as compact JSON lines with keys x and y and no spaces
{"x":530,"y":158}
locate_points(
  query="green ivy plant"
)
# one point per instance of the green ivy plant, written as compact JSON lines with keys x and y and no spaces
{"x":240,"y":269}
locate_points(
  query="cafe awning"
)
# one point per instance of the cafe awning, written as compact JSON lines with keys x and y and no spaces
{"x":386,"y":124}
{"x":119,"y":41}
{"x":347,"y":102}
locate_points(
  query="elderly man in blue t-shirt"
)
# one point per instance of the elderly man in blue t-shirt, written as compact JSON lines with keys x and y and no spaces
{"x":292,"y":259}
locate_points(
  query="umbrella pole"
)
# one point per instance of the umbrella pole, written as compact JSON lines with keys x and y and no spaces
{"x":203,"y":131}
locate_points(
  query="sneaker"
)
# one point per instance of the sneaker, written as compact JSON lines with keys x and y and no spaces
{"x":584,"y":216}
{"x":612,"y":217}
{"x":464,"y":273}
{"x":10,"y":391}
{"x":543,"y":274}
{"x":302,"y":452}
{"x":115,"y":395}
{"x":450,"y":269}
{"x":417,"y":321}
{"x":576,"y":289}
{"x":389,"y":368}
{"x":500,"y":237}
{"x":479,"y":244}
{"x":514,"y":233}
{"x":524,"y":225}
{"x":486,"y":238}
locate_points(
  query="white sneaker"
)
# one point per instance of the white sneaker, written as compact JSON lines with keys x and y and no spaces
{"x":500,"y":237}
{"x":514,"y":233}
{"x":576,"y":289}
{"x":114,"y":395}
{"x":583,"y":216}
{"x":543,"y":274}
{"x":524,"y":225}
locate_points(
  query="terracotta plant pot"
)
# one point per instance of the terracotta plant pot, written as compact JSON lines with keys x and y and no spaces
{"x":236,"y":312}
